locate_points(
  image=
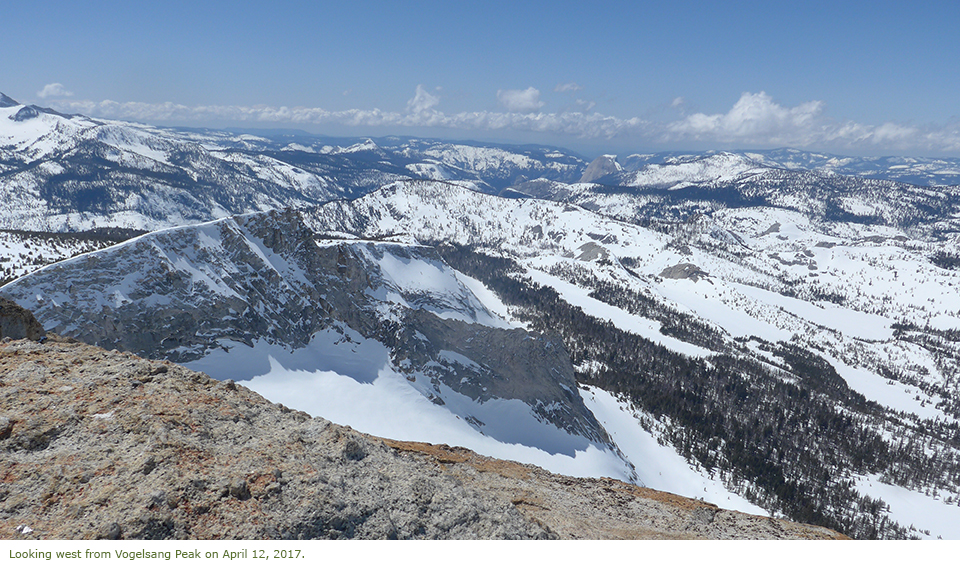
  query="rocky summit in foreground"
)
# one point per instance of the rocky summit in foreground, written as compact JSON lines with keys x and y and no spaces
{"x":98,"y":444}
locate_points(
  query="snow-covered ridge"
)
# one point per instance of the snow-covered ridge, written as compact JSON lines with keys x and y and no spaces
{"x":74,"y":173}
{"x":435,"y":212}
{"x":485,"y":158}
{"x":721,"y":167}
{"x":24,"y":252}
{"x":259,"y":298}
{"x":70,"y":173}
{"x":39,"y":135}
{"x":924,"y":171}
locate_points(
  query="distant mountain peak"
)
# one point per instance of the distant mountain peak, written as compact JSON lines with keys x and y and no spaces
{"x":601,"y":166}
{"x":32,"y":111}
{"x":366,"y":146}
{"x":26,"y":113}
{"x":7,"y":101}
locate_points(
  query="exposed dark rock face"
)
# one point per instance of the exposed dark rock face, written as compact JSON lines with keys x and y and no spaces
{"x":513,"y":365}
{"x":17,"y":322}
{"x":184,"y":293}
{"x":27,"y":113}
{"x":7,"y":101}
{"x":683,"y":271}
{"x":601,"y":166}
{"x":98,"y":444}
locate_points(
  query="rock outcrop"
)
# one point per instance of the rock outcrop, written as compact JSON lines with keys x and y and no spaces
{"x":103,"y":444}
{"x":683,"y":271}
{"x":17,"y":322}
{"x":601,"y":166}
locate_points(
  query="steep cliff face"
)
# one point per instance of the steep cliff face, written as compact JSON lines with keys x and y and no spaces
{"x":242,"y":297}
{"x":602,"y":166}
{"x":102,"y":444}
{"x":183,"y":292}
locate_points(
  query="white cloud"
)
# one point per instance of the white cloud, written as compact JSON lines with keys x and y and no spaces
{"x":560,"y":88}
{"x":587,"y":105}
{"x":678,"y":102}
{"x":53,"y":90}
{"x":577,"y":124}
{"x":754,"y":121}
{"x":755,"y":118}
{"x":520,"y":100}
{"x":422,"y":101}
{"x":892,"y":132}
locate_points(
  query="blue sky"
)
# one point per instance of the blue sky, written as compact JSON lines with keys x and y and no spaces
{"x":850,"y":77}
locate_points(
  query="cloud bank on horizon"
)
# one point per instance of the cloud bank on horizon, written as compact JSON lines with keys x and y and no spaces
{"x":756,"y":120}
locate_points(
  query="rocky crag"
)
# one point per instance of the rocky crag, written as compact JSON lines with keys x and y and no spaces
{"x":187,"y":293}
{"x":17,"y":322}
{"x":104,"y":444}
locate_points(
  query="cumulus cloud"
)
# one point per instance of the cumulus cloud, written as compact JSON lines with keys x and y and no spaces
{"x":520,"y":100}
{"x":53,"y":90}
{"x":754,"y":121}
{"x":422,"y":101}
{"x":560,"y":88}
{"x":755,"y":118}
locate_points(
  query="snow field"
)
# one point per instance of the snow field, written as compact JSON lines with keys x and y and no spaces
{"x":350,"y":382}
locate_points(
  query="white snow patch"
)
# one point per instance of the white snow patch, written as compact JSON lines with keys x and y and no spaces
{"x":620,"y":318}
{"x":907,"y":507}
{"x":490,"y":300}
{"x":889,"y":393}
{"x":659,"y":467}
{"x":349,"y":380}
{"x":390,"y":406}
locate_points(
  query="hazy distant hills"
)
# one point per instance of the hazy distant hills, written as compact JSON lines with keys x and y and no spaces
{"x":69,"y":173}
{"x":911,"y":170}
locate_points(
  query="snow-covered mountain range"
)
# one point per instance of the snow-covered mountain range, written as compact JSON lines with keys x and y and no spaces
{"x":69,"y":172}
{"x":861,"y":316}
{"x":910,"y":170}
{"x":675,"y":191}
{"x":774,"y":331}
